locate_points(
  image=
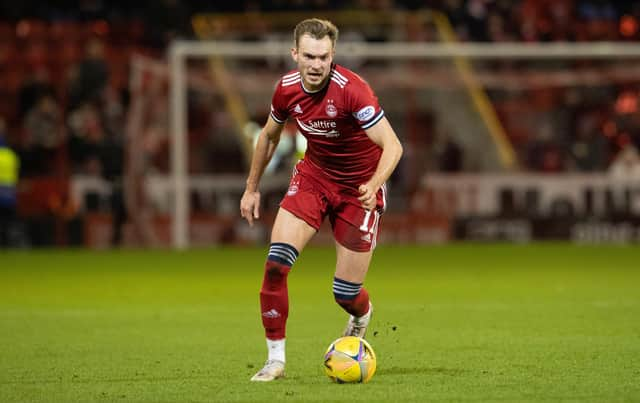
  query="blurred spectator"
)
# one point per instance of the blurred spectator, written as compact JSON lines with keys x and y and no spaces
{"x":113,"y":122}
{"x":112,"y":159}
{"x":34,"y":87}
{"x":476,"y":21}
{"x":223,"y":142}
{"x":143,"y":141}
{"x":91,"y":76}
{"x":86,"y":136}
{"x":626,"y":165}
{"x":42,"y":136}
{"x":450,"y":155}
{"x":589,"y":150}
{"x":544,"y":153}
{"x":9,"y":167}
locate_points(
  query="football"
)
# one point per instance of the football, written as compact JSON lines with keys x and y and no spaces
{"x":350,"y":360}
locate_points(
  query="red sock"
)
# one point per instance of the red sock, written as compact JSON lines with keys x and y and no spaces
{"x":274,"y":299}
{"x":358,"y":306}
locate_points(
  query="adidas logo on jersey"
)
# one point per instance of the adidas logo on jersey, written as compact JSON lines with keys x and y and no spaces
{"x":297,"y":109}
{"x":271,"y":313}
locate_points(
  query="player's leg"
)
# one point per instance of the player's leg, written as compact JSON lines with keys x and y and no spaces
{"x":289,"y":236}
{"x":348,"y":290}
{"x":356,"y":232}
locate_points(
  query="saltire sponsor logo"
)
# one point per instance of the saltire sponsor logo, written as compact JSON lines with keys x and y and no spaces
{"x":326,"y":128}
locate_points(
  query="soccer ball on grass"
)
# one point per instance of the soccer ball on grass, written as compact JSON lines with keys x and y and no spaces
{"x":350,"y":359}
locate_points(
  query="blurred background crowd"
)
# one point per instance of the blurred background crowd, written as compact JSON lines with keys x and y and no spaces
{"x":66,"y":94}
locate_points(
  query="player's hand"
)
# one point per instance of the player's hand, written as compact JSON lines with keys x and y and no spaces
{"x":367,"y":196}
{"x":250,"y":206}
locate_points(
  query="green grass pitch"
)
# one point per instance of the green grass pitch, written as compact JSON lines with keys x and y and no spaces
{"x":462,"y":322}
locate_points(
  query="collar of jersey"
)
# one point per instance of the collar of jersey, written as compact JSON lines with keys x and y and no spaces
{"x":325,"y":86}
{"x":313,"y":92}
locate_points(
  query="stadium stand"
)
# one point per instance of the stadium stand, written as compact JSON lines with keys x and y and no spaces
{"x":65,"y":87}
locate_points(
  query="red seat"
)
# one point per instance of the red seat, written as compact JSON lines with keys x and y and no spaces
{"x":69,"y":52}
{"x":8,"y":53}
{"x":63,"y":31}
{"x":7,"y":32}
{"x":13,"y":78}
{"x":36,"y":54}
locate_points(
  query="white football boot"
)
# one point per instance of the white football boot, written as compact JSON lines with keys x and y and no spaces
{"x":358,"y":326}
{"x":272,"y":370}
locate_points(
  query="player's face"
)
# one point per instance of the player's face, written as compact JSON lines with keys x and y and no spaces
{"x":314,"y":58}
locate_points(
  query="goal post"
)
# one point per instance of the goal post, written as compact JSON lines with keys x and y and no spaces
{"x":181,"y":50}
{"x":178,"y":157}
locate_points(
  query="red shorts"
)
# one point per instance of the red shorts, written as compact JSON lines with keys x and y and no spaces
{"x":311,"y":198}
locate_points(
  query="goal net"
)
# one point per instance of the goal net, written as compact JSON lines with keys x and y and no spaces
{"x":490,"y":108}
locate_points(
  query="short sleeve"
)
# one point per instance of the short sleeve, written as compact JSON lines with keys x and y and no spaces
{"x":364,"y":104}
{"x":279,"y":111}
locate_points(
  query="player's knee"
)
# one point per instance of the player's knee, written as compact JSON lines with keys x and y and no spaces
{"x":345,"y":292}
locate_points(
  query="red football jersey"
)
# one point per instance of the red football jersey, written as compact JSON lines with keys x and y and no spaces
{"x":333,"y":120}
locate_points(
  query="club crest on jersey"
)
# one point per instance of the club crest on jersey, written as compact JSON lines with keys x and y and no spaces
{"x":331,"y":109}
{"x":365,"y":113}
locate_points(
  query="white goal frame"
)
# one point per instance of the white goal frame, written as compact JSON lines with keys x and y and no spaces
{"x":180,"y":50}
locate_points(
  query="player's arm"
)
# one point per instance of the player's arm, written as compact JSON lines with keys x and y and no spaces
{"x":383,"y":135}
{"x":267,"y":142}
